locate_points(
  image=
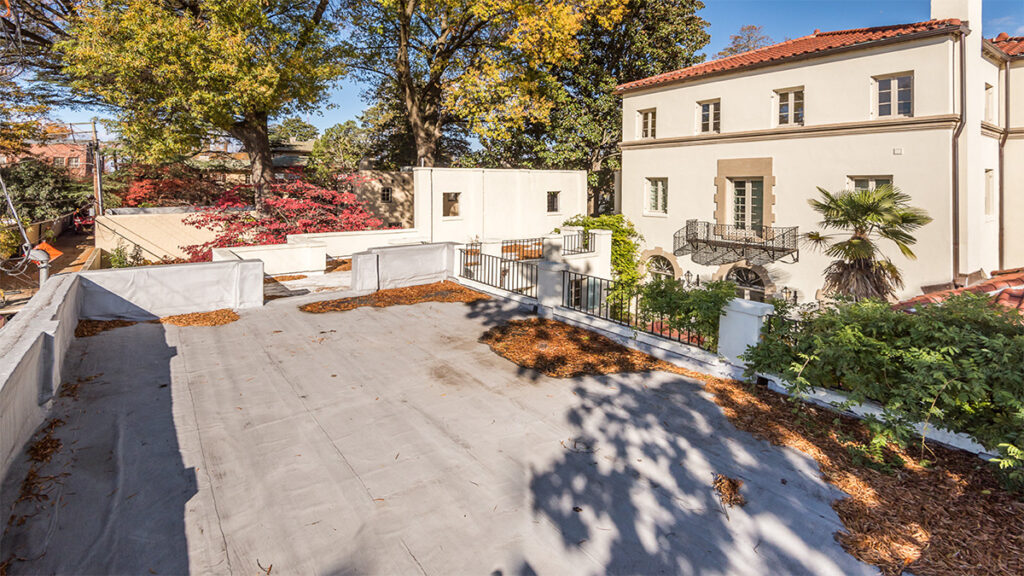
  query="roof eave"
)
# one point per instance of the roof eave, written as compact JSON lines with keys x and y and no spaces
{"x":944,"y":31}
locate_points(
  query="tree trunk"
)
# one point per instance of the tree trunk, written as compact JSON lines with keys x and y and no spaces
{"x":255,"y":138}
{"x":423,"y":104}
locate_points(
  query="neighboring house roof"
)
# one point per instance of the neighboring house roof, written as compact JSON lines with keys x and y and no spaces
{"x":1006,"y":285}
{"x":1010,"y":45}
{"x":817,"y":43}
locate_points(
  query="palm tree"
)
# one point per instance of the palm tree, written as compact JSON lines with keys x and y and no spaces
{"x":860,"y":270}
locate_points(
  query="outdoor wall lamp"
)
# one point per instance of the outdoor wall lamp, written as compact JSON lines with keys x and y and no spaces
{"x":788,"y":294}
{"x":691,"y":280}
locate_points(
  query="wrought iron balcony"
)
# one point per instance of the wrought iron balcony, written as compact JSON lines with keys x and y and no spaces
{"x":715,"y":244}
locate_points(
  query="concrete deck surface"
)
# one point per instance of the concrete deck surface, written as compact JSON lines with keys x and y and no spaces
{"x":390,"y":441}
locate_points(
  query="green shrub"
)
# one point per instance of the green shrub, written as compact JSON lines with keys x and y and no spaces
{"x":625,"y":248}
{"x":41,"y":191}
{"x":958,"y":364}
{"x":695,"y":310}
{"x":120,"y":257}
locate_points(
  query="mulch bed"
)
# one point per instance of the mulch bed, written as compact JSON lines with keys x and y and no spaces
{"x":436,"y":292}
{"x":284,"y":278}
{"x":942,"y":516}
{"x":220,"y":317}
{"x":338,"y":265}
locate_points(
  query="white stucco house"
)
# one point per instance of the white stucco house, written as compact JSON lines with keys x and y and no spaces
{"x":719,"y":159}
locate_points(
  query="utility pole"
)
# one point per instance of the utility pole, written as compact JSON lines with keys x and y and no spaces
{"x":97,"y":168}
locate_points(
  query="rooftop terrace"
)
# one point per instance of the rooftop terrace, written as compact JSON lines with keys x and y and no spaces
{"x":392,"y":441}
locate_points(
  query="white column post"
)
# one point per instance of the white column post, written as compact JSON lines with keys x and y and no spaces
{"x":740,"y":326}
{"x":553,"y":247}
{"x":549,"y":286}
{"x":603,"y":252}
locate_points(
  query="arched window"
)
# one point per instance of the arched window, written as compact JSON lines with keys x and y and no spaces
{"x":660,"y":267}
{"x":749,"y":284}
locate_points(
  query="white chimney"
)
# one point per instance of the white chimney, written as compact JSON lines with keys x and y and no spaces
{"x":965,"y":10}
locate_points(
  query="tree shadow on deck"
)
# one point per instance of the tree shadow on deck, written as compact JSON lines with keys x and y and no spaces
{"x":112,"y":499}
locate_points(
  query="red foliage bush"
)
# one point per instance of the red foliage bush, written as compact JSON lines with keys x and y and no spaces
{"x":170,"y":185}
{"x":295,"y":207}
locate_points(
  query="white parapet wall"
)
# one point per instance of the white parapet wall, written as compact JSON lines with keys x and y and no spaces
{"x":400,"y":266}
{"x":34,"y":344}
{"x":345,"y":244}
{"x":300,"y":257}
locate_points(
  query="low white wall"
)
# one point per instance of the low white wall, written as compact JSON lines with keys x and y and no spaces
{"x":400,"y":266}
{"x":301,"y":257}
{"x":34,"y":344}
{"x":33,"y":347}
{"x":159,"y":234}
{"x":345,"y":244}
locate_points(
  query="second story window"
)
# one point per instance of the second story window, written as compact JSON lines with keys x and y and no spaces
{"x":657,"y":195}
{"x":710,"y":116}
{"x":748,"y":204}
{"x":990,"y":104}
{"x":58,"y":161}
{"x":552,"y":201}
{"x":895,"y":96}
{"x":791,"y":107}
{"x":387,"y":195}
{"x":73,"y":162}
{"x":648,"y":123}
{"x":450,"y":205}
{"x":869,"y":182}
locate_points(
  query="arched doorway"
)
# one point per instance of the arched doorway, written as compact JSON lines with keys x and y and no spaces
{"x":659,"y":267}
{"x":749,"y":284}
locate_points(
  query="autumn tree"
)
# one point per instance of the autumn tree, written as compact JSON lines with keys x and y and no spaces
{"x":585,"y":125}
{"x":480,"y":61}
{"x":750,"y":37}
{"x":179,"y":71}
{"x":293,"y":127}
{"x":21,"y":114}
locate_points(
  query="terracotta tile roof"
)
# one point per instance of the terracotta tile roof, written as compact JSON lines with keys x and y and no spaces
{"x":1006,"y":285}
{"x":817,"y":42}
{"x":1010,"y":45}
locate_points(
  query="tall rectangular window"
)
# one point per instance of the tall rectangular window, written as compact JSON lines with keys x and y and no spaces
{"x":657,"y":195}
{"x":990,"y":200}
{"x":895,"y":96}
{"x":387,"y":195}
{"x":791,"y":107}
{"x":648,"y":123}
{"x":450,"y":207}
{"x":553,"y":201}
{"x":990,"y":104}
{"x":748,"y":204}
{"x":711,"y":116}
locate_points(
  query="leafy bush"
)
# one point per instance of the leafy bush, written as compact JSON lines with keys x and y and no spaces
{"x":120,"y":257}
{"x":41,"y":191}
{"x":291,"y":208}
{"x":625,"y":247}
{"x":695,"y":310}
{"x":957,"y":364}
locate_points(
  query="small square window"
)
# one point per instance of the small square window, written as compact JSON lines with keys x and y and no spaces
{"x":710,"y":116}
{"x":648,"y":123}
{"x":451,"y":204}
{"x":657,"y":195}
{"x":386,"y":195}
{"x":58,"y":161}
{"x":73,"y":162}
{"x":895,"y":95}
{"x":552,"y":201}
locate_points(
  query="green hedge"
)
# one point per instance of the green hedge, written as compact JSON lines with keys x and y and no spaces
{"x":958,"y":364}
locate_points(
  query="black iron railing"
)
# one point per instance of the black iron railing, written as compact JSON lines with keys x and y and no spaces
{"x":582,"y":243}
{"x":597,"y":297}
{"x":784,"y":328}
{"x":715,"y":244}
{"x":523,"y":249}
{"x":512,"y":275}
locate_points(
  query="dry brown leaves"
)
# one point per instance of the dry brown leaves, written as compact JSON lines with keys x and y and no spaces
{"x":88,"y":328}
{"x":729,"y":490}
{"x":46,"y":445}
{"x":213,"y":318}
{"x":284,"y":278}
{"x":436,"y":292}
{"x":338,"y":265}
{"x":947,"y":518}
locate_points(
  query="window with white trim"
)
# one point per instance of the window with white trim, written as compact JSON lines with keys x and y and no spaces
{"x":657,"y":195}
{"x":895,"y":95}
{"x":791,"y":107}
{"x":58,"y":161}
{"x":648,"y":123}
{"x":710,"y":116}
{"x":387,"y":195}
{"x":868,"y":182}
{"x":748,"y":203}
{"x":74,"y":161}
{"x":553,"y":201}
{"x":450,"y":207}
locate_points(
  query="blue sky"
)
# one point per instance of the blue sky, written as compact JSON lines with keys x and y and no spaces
{"x":779,"y":18}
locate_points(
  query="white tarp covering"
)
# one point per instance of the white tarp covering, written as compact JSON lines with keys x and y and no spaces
{"x":399,"y":266}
